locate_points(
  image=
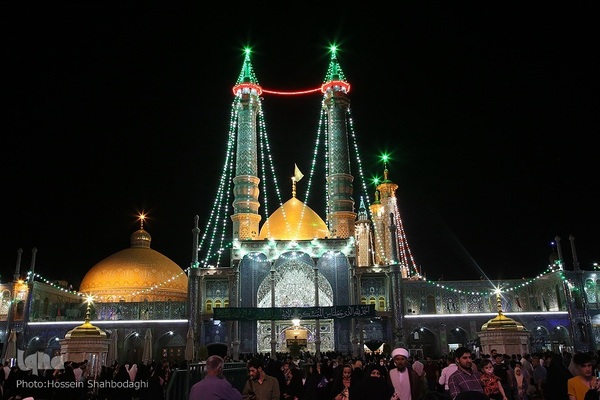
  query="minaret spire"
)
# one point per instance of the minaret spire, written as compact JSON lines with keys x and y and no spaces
{"x":195,"y":312}
{"x":391,"y":244}
{"x":559,"y":252}
{"x":363,"y":237}
{"x":17,"y":274}
{"x":574,"y":253}
{"x":245,"y":204}
{"x":341,"y":215}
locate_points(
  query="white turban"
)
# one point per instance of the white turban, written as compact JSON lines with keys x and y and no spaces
{"x":400,"y":352}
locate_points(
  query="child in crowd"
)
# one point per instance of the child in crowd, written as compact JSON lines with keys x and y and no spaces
{"x":492,"y":386}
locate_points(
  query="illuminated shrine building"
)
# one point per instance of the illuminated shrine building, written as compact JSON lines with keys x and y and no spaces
{"x":281,"y":274}
{"x":293,"y":260}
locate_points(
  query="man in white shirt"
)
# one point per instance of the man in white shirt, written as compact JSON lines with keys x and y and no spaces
{"x":450,"y":368}
{"x":526,"y":363}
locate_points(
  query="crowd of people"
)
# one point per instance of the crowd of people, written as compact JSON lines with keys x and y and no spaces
{"x":402,"y":376}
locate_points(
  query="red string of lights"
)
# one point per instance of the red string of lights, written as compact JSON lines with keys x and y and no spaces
{"x":323,"y":88}
{"x":292,"y":93}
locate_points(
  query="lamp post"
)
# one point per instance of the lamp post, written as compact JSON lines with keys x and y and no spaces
{"x":11,"y":302}
{"x":28,"y":306}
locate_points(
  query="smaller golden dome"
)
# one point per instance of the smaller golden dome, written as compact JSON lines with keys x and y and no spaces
{"x":502,"y":322}
{"x":294,"y":220}
{"x":86,"y":330}
{"x":140,"y":238}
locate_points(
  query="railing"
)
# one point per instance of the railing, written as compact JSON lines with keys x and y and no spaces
{"x":183,"y":379}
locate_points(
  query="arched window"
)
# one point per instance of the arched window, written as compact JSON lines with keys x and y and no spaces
{"x":577,"y":299}
{"x":209,"y":306}
{"x":381,"y":303}
{"x":217,"y":303}
{"x":363,"y":300}
{"x":582,"y":332}
{"x":431,"y":305}
{"x":225,"y":303}
{"x":590,"y":291}
{"x":45,"y":305}
{"x":558,"y":299}
{"x":35,"y":307}
{"x":5,"y":302}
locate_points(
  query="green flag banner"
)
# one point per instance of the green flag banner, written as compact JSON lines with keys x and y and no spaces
{"x":278,"y":313}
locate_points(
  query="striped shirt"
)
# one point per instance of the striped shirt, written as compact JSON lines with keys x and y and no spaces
{"x":461,"y":381}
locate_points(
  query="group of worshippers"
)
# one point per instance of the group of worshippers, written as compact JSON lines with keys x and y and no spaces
{"x":463,"y":380}
{"x":376,"y":382}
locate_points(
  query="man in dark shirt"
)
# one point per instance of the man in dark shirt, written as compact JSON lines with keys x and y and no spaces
{"x":539,"y":374}
{"x":259,"y":385}
{"x":432,"y":374}
{"x":501,"y":371}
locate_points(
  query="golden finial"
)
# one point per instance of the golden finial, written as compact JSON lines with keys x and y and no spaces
{"x":142,"y":217}
{"x":88,"y":309}
{"x":293,"y":187}
{"x":499,"y":301}
{"x":297,"y":176}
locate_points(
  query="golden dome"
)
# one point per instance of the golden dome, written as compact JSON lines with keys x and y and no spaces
{"x":128,"y":274}
{"x":294,"y":220}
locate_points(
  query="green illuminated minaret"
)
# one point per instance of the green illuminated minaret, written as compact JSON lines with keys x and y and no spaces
{"x":245,"y":203}
{"x":341,"y":215}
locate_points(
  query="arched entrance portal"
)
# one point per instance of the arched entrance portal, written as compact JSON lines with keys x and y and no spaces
{"x":172,"y":347}
{"x":457,"y":337}
{"x":283,"y":330}
{"x":423,"y":342}
{"x":294,"y":286}
{"x":134,"y":348}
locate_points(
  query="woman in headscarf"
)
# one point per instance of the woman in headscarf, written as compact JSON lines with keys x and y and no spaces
{"x":373,"y":385}
{"x":520,"y":383}
{"x":341,"y":387}
{"x":123,"y":389}
{"x":316,"y":385}
{"x":557,"y":377}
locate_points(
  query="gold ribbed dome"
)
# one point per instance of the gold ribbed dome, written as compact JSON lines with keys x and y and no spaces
{"x":294,"y":220}
{"x":128,"y":274}
{"x":502,"y":322}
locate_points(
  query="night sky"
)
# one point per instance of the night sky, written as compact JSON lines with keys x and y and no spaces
{"x":490,"y":114}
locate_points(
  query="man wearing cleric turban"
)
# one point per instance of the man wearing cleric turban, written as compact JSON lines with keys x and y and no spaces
{"x":406,"y":382}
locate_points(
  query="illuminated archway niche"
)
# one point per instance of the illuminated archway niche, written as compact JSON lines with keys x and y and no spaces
{"x":295,"y":287}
